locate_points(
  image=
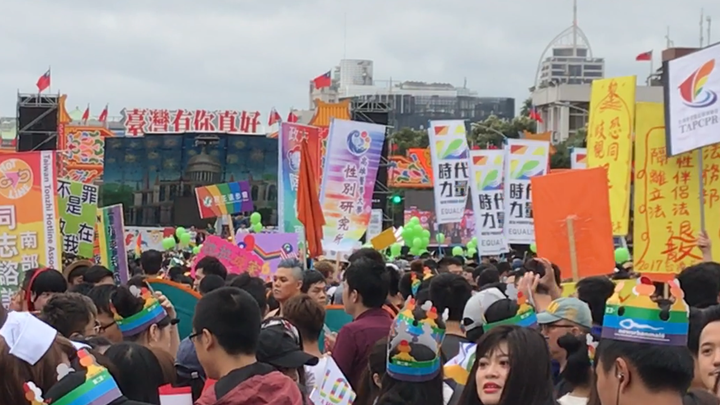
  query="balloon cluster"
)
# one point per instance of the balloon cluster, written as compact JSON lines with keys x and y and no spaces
{"x":415,"y":237}
{"x":256,"y":222}
{"x":183,"y":237}
{"x":471,"y":249}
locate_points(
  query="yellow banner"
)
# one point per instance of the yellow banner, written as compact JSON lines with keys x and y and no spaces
{"x":667,"y":203}
{"x":609,"y":142}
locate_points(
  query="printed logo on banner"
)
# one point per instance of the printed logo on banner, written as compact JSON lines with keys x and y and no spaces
{"x":455,"y":149}
{"x":493,"y":179}
{"x":17,"y":179}
{"x":693,"y":90}
{"x":358,"y":142}
{"x":529,"y":168}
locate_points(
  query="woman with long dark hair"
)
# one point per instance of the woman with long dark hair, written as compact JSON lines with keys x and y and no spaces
{"x":371,"y":378}
{"x":512,"y":367}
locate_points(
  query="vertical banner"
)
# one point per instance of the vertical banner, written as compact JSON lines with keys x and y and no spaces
{"x":578,"y":158}
{"x":375,"y":225}
{"x":609,"y":141}
{"x":667,"y":208}
{"x":449,"y":150}
{"x":691,"y":101}
{"x":224,"y":199}
{"x":487,"y":189}
{"x":29,"y":236}
{"x":111,"y":240}
{"x":77,"y":203}
{"x":523,"y":160}
{"x":353,"y":157}
{"x":290,"y":139}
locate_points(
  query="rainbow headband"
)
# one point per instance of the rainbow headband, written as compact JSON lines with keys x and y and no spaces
{"x":413,"y":328}
{"x":638,"y":318}
{"x":525,"y":316}
{"x":416,"y":282}
{"x":151,"y":313}
{"x":99,"y":387}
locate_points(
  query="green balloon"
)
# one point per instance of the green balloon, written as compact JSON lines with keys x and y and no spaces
{"x":257,"y":227}
{"x":417,"y":243}
{"x":168,"y":243}
{"x":471,"y":252}
{"x":414,"y":220}
{"x":407,"y":233}
{"x":425,"y":242}
{"x":415,"y":252}
{"x":533,"y":248}
{"x":457,"y":251}
{"x":179,"y":231}
{"x":440,"y":238}
{"x":622,"y":255}
{"x":425,"y":233}
{"x":395,"y":249}
{"x":255,"y":218}
{"x":185,"y":239}
{"x":196,"y":250}
{"x":472,"y":244}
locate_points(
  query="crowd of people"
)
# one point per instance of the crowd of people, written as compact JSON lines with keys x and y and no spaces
{"x":77,"y":337}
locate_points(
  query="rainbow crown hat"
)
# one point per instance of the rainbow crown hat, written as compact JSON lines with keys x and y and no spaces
{"x":525,"y":316}
{"x":414,"y":343}
{"x":637,"y":318}
{"x":152,"y":312}
{"x":99,"y":387}
{"x":416,"y":282}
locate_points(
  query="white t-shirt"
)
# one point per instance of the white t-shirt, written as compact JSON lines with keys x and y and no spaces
{"x":313,"y":374}
{"x":568,"y":399}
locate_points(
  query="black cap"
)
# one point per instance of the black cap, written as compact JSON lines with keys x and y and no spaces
{"x":278,"y":347}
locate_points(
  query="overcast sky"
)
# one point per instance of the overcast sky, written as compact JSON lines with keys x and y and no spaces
{"x":253,"y":55}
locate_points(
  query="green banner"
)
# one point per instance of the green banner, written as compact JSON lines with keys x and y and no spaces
{"x":77,"y":205}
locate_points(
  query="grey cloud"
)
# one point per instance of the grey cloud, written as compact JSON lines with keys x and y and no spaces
{"x":254,"y":55}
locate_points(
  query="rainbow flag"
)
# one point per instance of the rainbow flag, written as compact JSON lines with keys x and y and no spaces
{"x":224,"y":199}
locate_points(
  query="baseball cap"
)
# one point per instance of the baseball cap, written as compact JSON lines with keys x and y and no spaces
{"x":567,"y":308}
{"x":280,"y":346}
{"x":474,"y":313}
{"x":517,"y":264}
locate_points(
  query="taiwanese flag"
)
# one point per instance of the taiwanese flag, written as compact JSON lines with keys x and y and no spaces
{"x":43,"y":82}
{"x":292,"y":117}
{"x":86,"y":114}
{"x":322,"y":81}
{"x":104,"y":114}
{"x":535,"y":115}
{"x":645,"y":56}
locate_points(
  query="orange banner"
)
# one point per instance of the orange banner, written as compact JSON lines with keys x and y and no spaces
{"x":584,"y":209}
{"x":29,"y":235}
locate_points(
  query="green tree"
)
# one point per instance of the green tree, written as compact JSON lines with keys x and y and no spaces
{"x":527,"y":105}
{"x":494,"y":130}
{"x":561,"y":158}
{"x":406,"y":138}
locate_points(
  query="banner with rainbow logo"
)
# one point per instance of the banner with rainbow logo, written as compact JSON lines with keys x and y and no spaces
{"x":224,"y":199}
{"x":449,"y":150}
{"x":487,"y":174}
{"x":524,"y":160}
{"x":578,"y":158}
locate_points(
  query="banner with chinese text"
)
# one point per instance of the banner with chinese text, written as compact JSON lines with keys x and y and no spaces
{"x":29,"y":235}
{"x":111,"y":241}
{"x":269,"y":249}
{"x":609,"y":141}
{"x":524,"y":160}
{"x":143,"y":121}
{"x":224,"y":199}
{"x":236,"y":259}
{"x":667,"y":207}
{"x":290,"y":139}
{"x":353,"y":157}
{"x":449,"y":150}
{"x":578,"y":158}
{"x":77,"y":205}
{"x":487,"y":188}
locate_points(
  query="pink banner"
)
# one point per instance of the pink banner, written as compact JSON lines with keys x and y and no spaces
{"x":235,"y":259}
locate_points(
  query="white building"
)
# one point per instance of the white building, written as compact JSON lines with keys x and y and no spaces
{"x":566,"y":69}
{"x":564,"y":107}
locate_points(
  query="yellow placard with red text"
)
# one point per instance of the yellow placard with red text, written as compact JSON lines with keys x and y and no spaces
{"x":667,"y":199}
{"x":609,"y":142}
{"x":29,"y":233}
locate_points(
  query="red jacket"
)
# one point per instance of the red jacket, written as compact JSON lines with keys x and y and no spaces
{"x":257,"y":384}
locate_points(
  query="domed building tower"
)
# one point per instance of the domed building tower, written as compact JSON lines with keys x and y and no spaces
{"x":203,"y":169}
